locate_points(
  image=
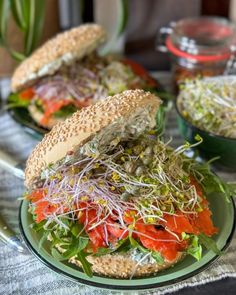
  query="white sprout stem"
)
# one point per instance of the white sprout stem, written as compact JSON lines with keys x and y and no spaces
{"x":138,"y":263}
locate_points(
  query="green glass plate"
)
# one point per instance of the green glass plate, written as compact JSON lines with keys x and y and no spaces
{"x":22,"y":116}
{"x":223,"y":217}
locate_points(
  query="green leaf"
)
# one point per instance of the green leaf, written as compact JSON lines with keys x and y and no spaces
{"x":194,"y":248}
{"x":134,"y":243}
{"x":125,"y":5}
{"x":18,"y":14}
{"x":15,"y":101}
{"x":209,"y":244}
{"x":55,"y":240}
{"x":160,"y":120}
{"x":43,"y":239}
{"x":73,"y":248}
{"x":16,"y":55}
{"x":4,"y":13}
{"x":76,"y":229}
{"x":87,"y":266}
{"x":156,"y":255}
{"x":211,"y":183}
{"x":65,"y":111}
{"x":38,"y":226}
{"x":33,"y":11}
{"x":82,"y":243}
{"x":103,"y":251}
{"x":57,"y":255}
{"x":121,"y":246}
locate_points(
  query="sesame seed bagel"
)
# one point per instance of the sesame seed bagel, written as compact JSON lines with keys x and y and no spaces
{"x":61,"y":50}
{"x":131,"y":110}
{"x":121,"y":265}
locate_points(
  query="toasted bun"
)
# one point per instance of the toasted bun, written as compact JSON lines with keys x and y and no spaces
{"x":120,"y":110}
{"x":38,"y":116}
{"x":62,"y":49}
{"x":121,"y":265}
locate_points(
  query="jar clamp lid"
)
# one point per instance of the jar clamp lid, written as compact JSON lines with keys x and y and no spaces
{"x":202,"y":39}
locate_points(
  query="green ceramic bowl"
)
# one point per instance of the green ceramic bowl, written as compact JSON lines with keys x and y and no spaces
{"x":213,"y":145}
{"x":223,"y":218}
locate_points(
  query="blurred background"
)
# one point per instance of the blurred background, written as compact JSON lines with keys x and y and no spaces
{"x":135,"y":24}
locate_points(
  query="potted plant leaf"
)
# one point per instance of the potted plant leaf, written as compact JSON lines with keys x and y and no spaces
{"x":28,"y":16}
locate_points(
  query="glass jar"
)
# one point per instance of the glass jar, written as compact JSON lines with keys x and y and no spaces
{"x":203,"y":46}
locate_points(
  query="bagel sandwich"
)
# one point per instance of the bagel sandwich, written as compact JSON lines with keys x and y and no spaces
{"x":111,"y":197}
{"x":66,"y":74}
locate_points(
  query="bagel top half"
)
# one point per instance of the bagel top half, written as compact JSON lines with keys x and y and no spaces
{"x":61,"y":50}
{"x":132,"y":111}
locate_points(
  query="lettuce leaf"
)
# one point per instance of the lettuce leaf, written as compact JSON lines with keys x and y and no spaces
{"x":14,"y":101}
{"x":195,"y":249}
{"x":209,"y":244}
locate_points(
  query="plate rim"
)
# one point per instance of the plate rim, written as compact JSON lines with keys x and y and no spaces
{"x":125,"y":287}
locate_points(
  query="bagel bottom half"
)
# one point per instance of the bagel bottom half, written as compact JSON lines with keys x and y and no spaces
{"x":121,"y":265}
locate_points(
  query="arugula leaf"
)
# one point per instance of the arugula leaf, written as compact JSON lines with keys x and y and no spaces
{"x":72,"y":242}
{"x":122,"y":246}
{"x":55,"y":240}
{"x":82,"y":243}
{"x":65,"y":111}
{"x":75,"y":247}
{"x":38,"y":105}
{"x":87,"y":266}
{"x":43,"y":239}
{"x":156,"y":255}
{"x":38,"y":226}
{"x":194,"y":248}
{"x":77,"y":229}
{"x":135,"y":244}
{"x":211,"y":183}
{"x":209,"y":244}
{"x":56,"y":254}
{"x":103,"y":251}
{"x":15,"y":101}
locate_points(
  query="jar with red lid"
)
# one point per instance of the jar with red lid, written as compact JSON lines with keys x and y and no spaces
{"x":203,"y":46}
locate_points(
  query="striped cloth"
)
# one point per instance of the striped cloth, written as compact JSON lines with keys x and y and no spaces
{"x":24,"y":274}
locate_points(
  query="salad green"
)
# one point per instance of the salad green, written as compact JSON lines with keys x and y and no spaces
{"x":131,"y":197}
